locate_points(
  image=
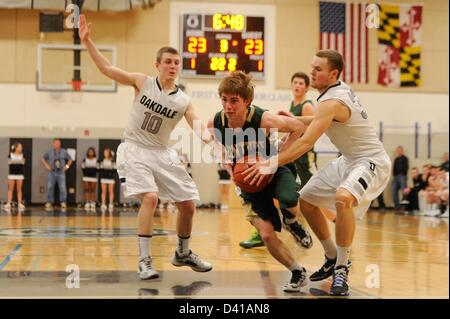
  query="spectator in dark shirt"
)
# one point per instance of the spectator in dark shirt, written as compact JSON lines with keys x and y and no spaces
{"x":411,"y":199}
{"x":444,"y":165}
{"x":401,"y":166}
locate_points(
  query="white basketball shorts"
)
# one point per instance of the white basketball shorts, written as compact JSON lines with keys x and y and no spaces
{"x":365,"y":179}
{"x":142,"y":170}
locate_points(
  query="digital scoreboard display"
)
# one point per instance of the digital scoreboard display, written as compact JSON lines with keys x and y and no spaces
{"x":215,"y":44}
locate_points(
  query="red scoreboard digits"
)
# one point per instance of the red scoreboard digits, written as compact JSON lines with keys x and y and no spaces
{"x":214,"y":44}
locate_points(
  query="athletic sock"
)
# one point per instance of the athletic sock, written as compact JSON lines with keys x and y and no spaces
{"x":329,"y":247}
{"x":183,"y":246}
{"x":144,"y":246}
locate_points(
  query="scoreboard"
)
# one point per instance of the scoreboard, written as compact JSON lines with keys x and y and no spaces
{"x":215,"y":44}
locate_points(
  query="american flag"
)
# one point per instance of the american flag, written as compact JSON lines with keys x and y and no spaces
{"x":343,"y":28}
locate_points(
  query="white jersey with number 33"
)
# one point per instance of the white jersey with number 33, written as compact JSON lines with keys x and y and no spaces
{"x":355,"y":138}
{"x":154,"y":115}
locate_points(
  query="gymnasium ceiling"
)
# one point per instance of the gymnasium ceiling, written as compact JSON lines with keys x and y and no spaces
{"x":89,"y":5}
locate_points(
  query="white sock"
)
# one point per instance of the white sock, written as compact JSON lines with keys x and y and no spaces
{"x":329,"y":247}
{"x":183,"y":246}
{"x":144,"y":246}
{"x":295,"y":266}
{"x":343,"y":254}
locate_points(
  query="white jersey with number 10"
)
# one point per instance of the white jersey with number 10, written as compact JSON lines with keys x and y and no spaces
{"x":154,"y":115}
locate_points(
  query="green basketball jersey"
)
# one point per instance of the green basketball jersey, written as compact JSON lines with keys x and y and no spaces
{"x":250,"y":140}
{"x":297,"y":111}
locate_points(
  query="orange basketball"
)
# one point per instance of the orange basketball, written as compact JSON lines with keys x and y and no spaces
{"x":238,"y":177}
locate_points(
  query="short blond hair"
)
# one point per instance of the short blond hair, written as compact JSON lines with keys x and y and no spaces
{"x":163,"y":50}
{"x":334,"y":58}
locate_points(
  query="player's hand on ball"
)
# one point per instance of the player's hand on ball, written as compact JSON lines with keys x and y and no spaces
{"x":256,"y":173}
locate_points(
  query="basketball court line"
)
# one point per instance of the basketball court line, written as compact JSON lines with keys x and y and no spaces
{"x":10,"y":256}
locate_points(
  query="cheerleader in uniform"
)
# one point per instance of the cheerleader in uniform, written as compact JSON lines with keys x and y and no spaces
{"x":90,"y":167}
{"x":16,"y":163}
{"x":108,"y":172}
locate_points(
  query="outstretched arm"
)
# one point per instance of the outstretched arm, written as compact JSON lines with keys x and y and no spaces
{"x":123,"y":77}
{"x":281,"y":123}
{"x":322,"y":120}
{"x":197,"y":125}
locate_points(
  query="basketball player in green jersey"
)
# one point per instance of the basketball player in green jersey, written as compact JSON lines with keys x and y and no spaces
{"x":301,"y":106}
{"x":243,"y":129}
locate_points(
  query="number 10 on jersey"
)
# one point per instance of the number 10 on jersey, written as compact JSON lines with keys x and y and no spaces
{"x":152,"y":123}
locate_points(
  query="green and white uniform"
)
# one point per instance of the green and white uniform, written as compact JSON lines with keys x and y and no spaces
{"x":252,"y":140}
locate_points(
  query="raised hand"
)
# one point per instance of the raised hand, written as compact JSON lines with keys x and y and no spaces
{"x":84,"y":29}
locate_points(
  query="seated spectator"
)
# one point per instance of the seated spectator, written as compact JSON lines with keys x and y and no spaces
{"x":444,"y":165}
{"x":411,"y":194}
{"x":443,"y":207}
{"x":437,"y":185}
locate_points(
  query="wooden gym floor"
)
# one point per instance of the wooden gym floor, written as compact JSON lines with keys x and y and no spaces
{"x":41,"y":251}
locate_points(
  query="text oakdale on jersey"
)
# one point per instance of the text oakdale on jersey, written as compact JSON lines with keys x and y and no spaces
{"x":157,"y":108}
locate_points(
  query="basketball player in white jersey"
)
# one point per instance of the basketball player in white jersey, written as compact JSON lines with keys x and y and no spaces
{"x":147,"y":167}
{"x":347,"y":184}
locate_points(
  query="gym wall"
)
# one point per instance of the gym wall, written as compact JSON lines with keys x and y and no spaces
{"x":138,"y":34}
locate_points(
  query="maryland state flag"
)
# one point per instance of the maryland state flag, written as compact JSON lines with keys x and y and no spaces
{"x":399,"y":41}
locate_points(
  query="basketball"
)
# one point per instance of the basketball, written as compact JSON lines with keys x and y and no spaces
{"x":238,"y":177}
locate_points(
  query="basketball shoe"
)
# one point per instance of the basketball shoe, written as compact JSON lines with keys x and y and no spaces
{"x":301,"y":235}
{"x":254,"y":241}
{"x":326,"y":270}
{"x":145,"y":269}
{"x":191,"y":260}
{"x":339,"y":287}
{"x":298,"y":280}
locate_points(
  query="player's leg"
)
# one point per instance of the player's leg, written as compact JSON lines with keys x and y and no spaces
{"x":176,"y":185}
{"x":145,"y":233}
{"x":318,"y":224}
{"x":286,"y":192}
{"x":345,"y":230}
{"x":329,"y":214}
{"x":362,"y":182}
{"x":137,"y":179}
{"x":305,"y":175}
{"x":224,"y":189}
{"x":282,"y":254}
{"x":183,"y":255}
